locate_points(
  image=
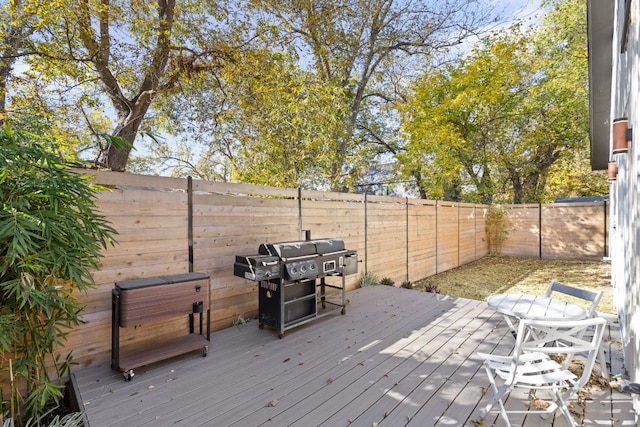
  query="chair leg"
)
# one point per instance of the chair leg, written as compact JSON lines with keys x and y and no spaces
{"x":602,"y":359}
{"x":503,"y":413}
{"x":511,"y":322}
{"x":561,"y":401}
{"x":567,"y":415}
{"x":497,"y":398}
{"x":498,"y":394}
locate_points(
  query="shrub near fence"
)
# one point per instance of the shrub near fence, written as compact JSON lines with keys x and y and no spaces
{"x":170,"y":226}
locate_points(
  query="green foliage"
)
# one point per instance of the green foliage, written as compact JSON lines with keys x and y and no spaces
{"x":241,"y":320}
{"x":49,"y":420}
{"x":97,"y":67}
{"x":283,"y":93}
{"x":460,"y":120}
{"x":366,"y":49}
{"x":293,"y":120}
{"x":496,"y":226}
{"x":387,"y":281}
{"x":368,"y":279}
{"x":509,"y":119}
{"x":303,"y":94}
{"x":51,"y":237}
{"x":432,"y":287}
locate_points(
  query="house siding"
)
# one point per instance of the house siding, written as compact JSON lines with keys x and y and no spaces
{"x":625,"y":191}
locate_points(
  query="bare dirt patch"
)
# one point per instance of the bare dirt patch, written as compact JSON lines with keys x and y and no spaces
{"x":498,"y":274}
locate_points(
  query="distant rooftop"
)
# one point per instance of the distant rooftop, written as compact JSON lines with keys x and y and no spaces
{"x":582,"y":199}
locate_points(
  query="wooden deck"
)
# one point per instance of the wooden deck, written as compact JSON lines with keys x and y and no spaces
{"x":397,"y":357}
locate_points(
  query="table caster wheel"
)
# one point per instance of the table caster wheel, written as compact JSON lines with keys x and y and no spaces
{"x":128,"y":375}
{"x":261,"y":325}
{"x":205,"y":351}
{"x":343,"y":311}
{"x":280,"y":335}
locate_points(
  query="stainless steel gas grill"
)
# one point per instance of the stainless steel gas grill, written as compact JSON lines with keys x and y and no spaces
{"x":292,"y":280}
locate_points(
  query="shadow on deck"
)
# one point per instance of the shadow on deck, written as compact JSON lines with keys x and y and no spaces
{"x":396,"y":358}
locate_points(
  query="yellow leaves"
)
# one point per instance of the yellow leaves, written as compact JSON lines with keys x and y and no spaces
{"x":538,"y":404}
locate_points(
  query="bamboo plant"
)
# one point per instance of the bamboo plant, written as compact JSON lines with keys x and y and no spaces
{"x":51,"y":238}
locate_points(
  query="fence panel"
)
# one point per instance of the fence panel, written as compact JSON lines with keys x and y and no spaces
{"x":468,"y":228}
{"x":230,"y":221}
{"x":557,"y":230}
{"x":523,"y":229}
{"x":422,"y":252}
{"x":386,"y":238}
{"x":482,"y":246}
{"x":573,"y":230}
{"x":337,"y":215}
{"x":448,"y":229}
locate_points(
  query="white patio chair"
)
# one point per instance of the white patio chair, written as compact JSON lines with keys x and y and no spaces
{"x":531,"y":366}
{"x":593,"y":298}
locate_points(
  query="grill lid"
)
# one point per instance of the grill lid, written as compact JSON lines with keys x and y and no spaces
{"x":288,"y":249}
{"x":304,"y":248}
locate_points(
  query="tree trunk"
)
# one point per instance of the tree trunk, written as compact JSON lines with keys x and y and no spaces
{"x":116,"y":156}
{"x":5,"y":70}
{"x":418,"y":178}
{"x":130,"y":112}
{"x":12,"y":43}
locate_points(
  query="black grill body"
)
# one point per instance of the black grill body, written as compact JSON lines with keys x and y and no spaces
{"x":292,"y":279}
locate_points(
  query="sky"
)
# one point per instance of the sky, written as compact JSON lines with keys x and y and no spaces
{"x":521,"y":9}
{"x":525,"y":11}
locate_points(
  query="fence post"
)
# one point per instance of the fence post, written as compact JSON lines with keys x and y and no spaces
{"x":605,"y":230}
{"x":406,"y":229}
{"x":190,"y":220}
{"x":366,"y":230}
{"x":540,"y":230}
{"x":437,"y":263}
{"x":475,"y":232}
{"x":458,"y":261}
{"x":300,"y":213}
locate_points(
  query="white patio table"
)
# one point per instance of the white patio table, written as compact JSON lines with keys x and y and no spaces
{"x":524,"y":306}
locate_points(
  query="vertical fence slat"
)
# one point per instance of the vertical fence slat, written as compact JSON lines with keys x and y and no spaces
{"x":190,"y":220}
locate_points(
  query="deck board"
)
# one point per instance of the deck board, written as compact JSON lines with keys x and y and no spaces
{"x":397,"y":357}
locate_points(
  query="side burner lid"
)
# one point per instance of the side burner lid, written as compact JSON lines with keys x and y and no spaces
{"x":328,"y":246}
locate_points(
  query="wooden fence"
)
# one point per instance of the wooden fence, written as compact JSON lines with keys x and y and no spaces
{"x":558,"y":230}
{"x":170,"y":226}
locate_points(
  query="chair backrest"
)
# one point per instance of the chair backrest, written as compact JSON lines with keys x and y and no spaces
{"x":562,"y":337}
{"x":591,"y":296}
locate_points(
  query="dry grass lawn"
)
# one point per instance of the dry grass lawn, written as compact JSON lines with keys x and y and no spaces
{"x":497,"y":274}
